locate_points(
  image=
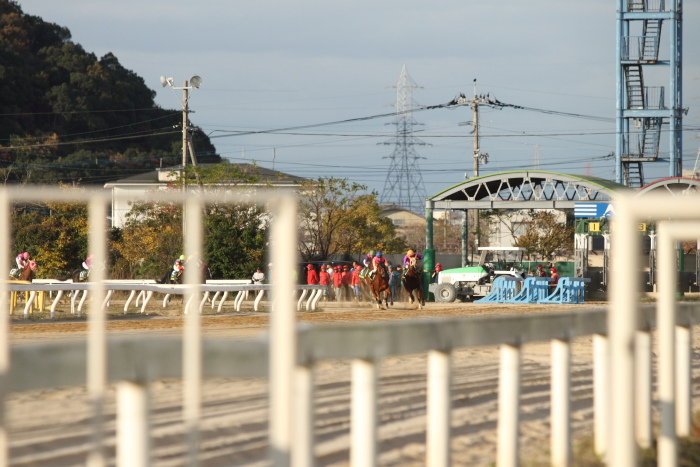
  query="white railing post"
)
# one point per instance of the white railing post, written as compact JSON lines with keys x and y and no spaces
{"x":642,"y":395}
{"x":363,"y":414}
{"x":97,"y":330}
{"x":133,"y":434}
{"x":601,"y":391}
{"x":622,"y":325}
{"x":4,"y":322}
{"x":684,"y":388}
{"x":303,"y":452}
{"x":560,"y":408}
{"x":667,"y":444}
{"x":508,"y":406}
{"x":438,"y":410}
{"x":192,"y":339}
{"x":282,"y":330}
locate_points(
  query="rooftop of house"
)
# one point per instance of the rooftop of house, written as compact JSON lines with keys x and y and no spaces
{"x":164,"y":175}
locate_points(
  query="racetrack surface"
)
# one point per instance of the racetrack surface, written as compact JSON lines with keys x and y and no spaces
{"x":50,"y":427}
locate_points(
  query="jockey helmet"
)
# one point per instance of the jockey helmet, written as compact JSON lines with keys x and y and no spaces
{"x":379,"y":254}
{"x":438,"y":264}
{"x":25,"y":255}
{"x":182,"y":257}
{"x":553,"y":269}
{"x":371,"y":252}
{"x":410,"y":252}
{"x":323,"y":266}
{"x":310,"y":266}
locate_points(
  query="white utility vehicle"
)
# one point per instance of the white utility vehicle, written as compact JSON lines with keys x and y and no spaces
{"x":468,"y":282}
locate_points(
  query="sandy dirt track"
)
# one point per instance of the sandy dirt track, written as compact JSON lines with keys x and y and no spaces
{"x":50,"y":427}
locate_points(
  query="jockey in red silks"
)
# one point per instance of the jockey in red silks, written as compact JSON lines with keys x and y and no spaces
{"x":378,"y":258}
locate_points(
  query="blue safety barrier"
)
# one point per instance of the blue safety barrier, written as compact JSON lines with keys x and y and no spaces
{"x":568,"y":290}
{"x":534,"y":289}
{"x":503,"y":289}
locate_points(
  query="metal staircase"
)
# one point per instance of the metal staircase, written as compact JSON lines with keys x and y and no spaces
{"x":641,"y":136}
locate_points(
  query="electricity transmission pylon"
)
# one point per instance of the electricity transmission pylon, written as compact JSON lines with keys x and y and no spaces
{"x":404,"y":182}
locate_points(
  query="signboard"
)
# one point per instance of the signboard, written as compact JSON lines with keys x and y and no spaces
{"x":597,"y":210}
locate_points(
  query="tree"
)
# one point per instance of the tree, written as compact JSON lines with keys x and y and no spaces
{"x":544,"y":234}
{"x":73,"y":116}
{"x":235,"y":235}
{"x":336,"y":217}
{"x":55,"y":234}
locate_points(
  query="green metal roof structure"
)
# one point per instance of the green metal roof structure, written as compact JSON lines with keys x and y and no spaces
{"x":530,"y":189}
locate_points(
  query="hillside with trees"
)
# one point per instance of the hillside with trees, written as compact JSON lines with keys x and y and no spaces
{"x":67,"y":116}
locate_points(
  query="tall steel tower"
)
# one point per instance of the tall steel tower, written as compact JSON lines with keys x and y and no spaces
{"x":404,"y":183}
{"x":643,"y":109}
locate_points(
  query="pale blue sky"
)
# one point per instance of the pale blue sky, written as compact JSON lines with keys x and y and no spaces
{"x":278,"y":64}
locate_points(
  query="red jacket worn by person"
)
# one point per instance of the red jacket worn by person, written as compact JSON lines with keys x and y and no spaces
{"x":311,"y":275}
{"x":324,"y":278}
{"x":337,"y":279}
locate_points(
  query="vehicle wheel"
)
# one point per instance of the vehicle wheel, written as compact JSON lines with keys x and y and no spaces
{"x":445,"y":293}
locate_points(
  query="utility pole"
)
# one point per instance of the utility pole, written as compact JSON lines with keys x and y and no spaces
{"x":193,"y":83}
{"x":479,"y":158}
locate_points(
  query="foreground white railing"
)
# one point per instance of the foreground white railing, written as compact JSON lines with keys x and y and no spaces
{"x":622,"y":357}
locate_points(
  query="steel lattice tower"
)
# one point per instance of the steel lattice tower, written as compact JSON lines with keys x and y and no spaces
{"x":404,"y":183}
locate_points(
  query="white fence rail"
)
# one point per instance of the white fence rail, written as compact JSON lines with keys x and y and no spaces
{"x":622,"y":357}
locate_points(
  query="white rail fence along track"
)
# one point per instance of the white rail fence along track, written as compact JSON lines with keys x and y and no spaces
{"x":621,"y":333}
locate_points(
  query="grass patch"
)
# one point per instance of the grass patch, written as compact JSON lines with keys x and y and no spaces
{"x":688,"y":453}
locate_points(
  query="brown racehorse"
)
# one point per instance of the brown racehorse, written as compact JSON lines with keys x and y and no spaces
{"x":413,"y":280}
{"x":27,"y":274}
{"x":380,"y":284}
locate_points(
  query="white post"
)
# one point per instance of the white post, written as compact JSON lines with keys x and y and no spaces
{"x":684,"y":388}
{"x":642,"y":395}
{"x":192,"y":339}
{"x":133,"y":434}
{"x":282,"y":331}
{"x":438,"y":410}
{"x":97,"y":331}
{"x":508,"y":406}
{"x":363,"y":414}
{"x":303,"y":452}
{"x":601,"y":389}
{"x":622,"y":325}
{"x":4,"y":323}
{"x":560,"y":408}
{"x":666,"y":324}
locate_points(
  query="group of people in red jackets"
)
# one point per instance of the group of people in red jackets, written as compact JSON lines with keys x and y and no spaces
{"x":342,"y":282}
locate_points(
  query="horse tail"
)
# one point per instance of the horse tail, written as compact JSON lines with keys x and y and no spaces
{"x":165,"y":278}
{"x":65,"y":277}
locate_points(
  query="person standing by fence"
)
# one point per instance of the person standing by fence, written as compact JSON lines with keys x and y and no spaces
{"x":258,"y":278}
{"x":356,"y":282}
{"x":324,"y":279}
{"x":347,"y":281}
{"x":555,"y":278}
{"x":394,"y":278}
{"x":338,"y":283}
{"x":311,"y":275}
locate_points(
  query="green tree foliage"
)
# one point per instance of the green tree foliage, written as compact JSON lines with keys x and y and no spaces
{"x":235,"y":236}
{"x":337,"y":217}
{"x":55,"y":234}
{"x":544,"y":234}
{"x":66,"y":115}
